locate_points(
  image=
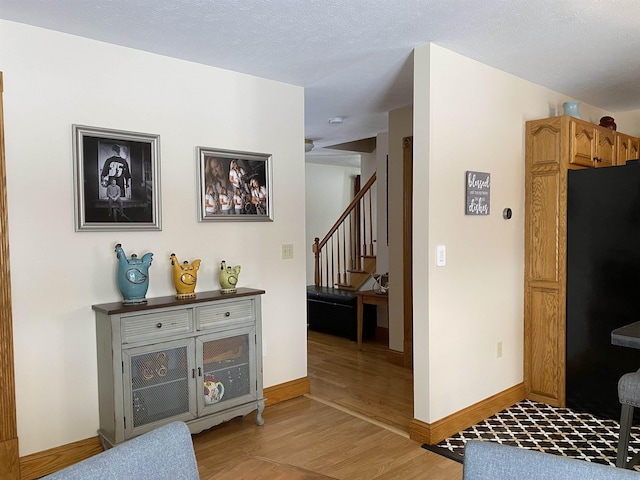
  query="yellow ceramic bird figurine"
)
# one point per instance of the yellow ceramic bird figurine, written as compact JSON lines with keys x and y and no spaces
{"x":185,"y":277}
{"x":228,"y":277}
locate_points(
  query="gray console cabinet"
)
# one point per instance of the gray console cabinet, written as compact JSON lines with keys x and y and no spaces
{"x":198,"y":360}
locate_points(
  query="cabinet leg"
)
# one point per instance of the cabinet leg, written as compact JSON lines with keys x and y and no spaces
{"x":259,"y":419}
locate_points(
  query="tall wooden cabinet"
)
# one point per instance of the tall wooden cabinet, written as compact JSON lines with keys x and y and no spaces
{"x":554,"y":146}
{"x":9,"y":459}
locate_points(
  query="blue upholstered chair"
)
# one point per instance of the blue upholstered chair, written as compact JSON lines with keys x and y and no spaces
{"x":165,"y":453}
{"x":493,"y":461}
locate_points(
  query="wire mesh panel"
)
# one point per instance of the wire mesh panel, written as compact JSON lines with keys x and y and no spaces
{"x":159,"y":385}
{"x":226,"y":369}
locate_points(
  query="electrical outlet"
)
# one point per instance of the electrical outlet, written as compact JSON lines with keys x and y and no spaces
{"x":499,"y":349}
{"x":287,"y":251}
{"x":441,"y":256}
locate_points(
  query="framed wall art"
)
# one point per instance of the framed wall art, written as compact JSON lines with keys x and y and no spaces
{"x":116,"y":180}
{"x":477,"y":193}
{"x":234,"y":186}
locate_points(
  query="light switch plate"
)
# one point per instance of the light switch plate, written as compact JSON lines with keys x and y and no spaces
{"x":441,"y":256}
{"x":287,"y":251}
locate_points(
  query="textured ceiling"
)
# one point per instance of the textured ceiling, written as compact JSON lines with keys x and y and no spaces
{"x":354,"y":56}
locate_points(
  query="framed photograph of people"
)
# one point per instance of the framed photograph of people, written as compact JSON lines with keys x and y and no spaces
{"x":116,"y":180}
{"x":234,"y":186}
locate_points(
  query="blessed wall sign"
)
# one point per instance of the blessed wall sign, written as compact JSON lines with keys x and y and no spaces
{"x":478,"y":190}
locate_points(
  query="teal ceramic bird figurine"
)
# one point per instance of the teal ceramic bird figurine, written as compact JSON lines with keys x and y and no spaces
{"x":133,"y":276}
{"x":228,"y":277}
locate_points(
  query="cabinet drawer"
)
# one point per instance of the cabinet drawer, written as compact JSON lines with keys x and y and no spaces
{"x":156,"y":325}
{"x":217,"y":315}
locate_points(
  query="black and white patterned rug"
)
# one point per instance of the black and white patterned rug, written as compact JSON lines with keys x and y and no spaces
{"x":537,"y":426}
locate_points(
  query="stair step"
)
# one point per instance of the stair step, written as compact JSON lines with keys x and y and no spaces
{"x":343,"y":286}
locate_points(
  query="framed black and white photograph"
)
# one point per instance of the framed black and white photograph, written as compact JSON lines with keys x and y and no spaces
{"x":117,"y":179}
{"x":234,"y":186}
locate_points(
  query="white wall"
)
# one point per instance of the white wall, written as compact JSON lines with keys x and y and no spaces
{"x":400,"y":126}
{"x":468,"y":116}
{"x":52,"y":81}
{"x":628,"y":122}
{"x":328,"y":191}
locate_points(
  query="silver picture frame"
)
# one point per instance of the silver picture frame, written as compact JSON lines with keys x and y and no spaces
{"x":104,"y":159}
{"x":234,"y":186}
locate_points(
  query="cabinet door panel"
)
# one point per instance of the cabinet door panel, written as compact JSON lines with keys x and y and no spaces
{"x":227,"y":375}
{"x":626,"y":148}
{"x":583,"y":144}
{"x":634,"y":149}
{"x":161,"y":385}
{"x":543,"y":227}
{"x":544,"y":145}
{"x":606,"y":148}
{"x":543,"y":348}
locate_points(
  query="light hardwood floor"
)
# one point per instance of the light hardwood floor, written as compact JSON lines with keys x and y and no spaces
{"x":341,"y":429}
{"x":362,"y":382}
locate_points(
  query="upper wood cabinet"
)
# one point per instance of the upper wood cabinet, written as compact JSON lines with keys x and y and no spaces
{"x":627,"y":148}
{"x":591,"y":145}
{"x":553,"y":146}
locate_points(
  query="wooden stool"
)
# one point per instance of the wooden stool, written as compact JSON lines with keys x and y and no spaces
{"x":629,"y":394}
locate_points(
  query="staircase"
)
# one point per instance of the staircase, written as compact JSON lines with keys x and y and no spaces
{"x":344,"y":261}
{"x":345,"y":257}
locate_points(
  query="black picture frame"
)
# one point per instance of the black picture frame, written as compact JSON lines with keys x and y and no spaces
{"x":105,"y":159}
{"x":247,"y":174}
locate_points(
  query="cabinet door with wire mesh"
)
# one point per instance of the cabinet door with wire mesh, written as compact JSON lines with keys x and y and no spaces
{"x":228,"y":373}
{"x":158,"y":385}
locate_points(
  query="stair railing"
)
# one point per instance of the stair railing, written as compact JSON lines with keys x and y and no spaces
{"x":345,"y":246}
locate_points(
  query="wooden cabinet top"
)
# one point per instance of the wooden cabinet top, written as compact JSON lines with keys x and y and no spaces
{"x":578,"y":121}
{"x":171,"y":301}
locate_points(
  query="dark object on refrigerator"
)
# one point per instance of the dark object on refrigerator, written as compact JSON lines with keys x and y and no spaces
{"x":603,"y":284}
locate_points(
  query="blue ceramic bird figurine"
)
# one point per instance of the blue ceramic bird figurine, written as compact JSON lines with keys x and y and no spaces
{"x":133,"y":276}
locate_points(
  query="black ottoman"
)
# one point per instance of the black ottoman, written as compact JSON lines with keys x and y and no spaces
{"x":334,"y":311}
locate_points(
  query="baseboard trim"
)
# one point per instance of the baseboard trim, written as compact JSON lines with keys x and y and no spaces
{"x":395,"y":357}
{"x":432,"y":433}
{"x":287,"y":391}
{"x":49,"y":461}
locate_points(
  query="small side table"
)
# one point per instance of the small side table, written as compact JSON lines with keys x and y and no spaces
{"x":371,"y":297}
{"x":627,"y":336}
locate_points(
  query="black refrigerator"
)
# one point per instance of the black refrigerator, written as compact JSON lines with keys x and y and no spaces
{"x":603,"y":283}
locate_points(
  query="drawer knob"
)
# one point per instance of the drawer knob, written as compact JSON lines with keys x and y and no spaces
{"x":227,"y":314}
{"x":159,"y":325}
